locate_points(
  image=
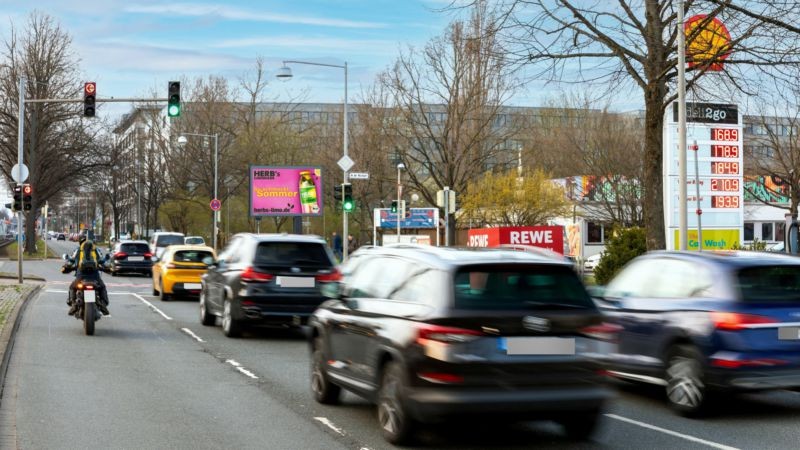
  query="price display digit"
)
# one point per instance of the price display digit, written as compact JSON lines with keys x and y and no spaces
{"x":724,"y":201}
{"x":724,"y":134}
{"x":725,"y":184}
{"x":725,"y":151}
{"x":724,"y":168}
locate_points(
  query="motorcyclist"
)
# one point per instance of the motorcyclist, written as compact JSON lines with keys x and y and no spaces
{"x":85,"y":248}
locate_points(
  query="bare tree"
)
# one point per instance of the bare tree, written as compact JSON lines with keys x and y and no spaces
{"x":634,"y":43}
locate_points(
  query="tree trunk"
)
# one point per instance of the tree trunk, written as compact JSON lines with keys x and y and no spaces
{"x":653,"y":204}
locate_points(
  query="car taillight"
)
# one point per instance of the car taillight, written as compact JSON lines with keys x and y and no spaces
{"x":334,"y":275}
{"x":120,"y":255}
{"x":441,"y":378}
{"x":730,"y":321}
{"x":732,"y":363}
{"x":448,"y":335}
{"x":604,"y":332}
{"x":148,"y":255}
{"x":250,"y":275}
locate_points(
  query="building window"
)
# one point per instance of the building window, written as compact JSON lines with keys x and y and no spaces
{"x":595,"y":233}
{"x":766,"y":231}
{"x":780,"y":231}
{"x":749,"y":228}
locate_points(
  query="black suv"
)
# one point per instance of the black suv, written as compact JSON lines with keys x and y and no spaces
{"x":267,"y":279}
{"x":131,"y":256}
{"x":431,"y":333}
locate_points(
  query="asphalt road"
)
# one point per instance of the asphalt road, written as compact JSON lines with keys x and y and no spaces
{"x":154,"y":377}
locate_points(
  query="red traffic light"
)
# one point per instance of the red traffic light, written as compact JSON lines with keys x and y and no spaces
{"x":27,"y":189}
{"x":90,"y":88}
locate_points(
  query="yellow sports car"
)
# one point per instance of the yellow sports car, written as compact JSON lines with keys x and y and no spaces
{"x":179,"y":270}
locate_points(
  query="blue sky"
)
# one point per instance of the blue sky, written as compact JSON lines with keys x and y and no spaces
{"x":131,"y":47}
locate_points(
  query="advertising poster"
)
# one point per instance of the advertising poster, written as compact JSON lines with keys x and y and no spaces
{"x":549,"y":237}
{"x":285,"y":191}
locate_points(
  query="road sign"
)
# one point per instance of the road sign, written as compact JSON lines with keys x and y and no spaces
{"x":19,"y":175}
{"x":215,"y":205}
{"x":359,"y":176}
{"x":346,"y":163}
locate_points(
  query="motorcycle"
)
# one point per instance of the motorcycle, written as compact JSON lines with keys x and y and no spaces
{"x":86,"y":300}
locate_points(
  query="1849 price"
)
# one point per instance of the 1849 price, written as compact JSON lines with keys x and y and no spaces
{"x":724,"y":134}
{"x":724,"y":168}
{"x":725,"y":151}
{"x":725,"y":184}
{"x":724,"y":201}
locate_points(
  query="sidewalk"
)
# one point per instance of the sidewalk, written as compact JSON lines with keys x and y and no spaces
{"x":12,"y":298}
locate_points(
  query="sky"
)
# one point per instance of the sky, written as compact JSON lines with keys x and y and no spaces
{"x":131,"y":47}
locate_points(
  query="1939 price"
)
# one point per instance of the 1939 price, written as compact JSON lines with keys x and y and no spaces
{"x":725,"y":184}
{"x":724,"y":134}
{"x":725,"y":151}
{"x":724,"y":201}
{"x":724,"y":168}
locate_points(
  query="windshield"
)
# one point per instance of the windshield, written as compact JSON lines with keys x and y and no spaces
{"x":770,"y":283}
{"x":305,"y":254}
{"x":169,"y":239}
{"x":503,"y":287}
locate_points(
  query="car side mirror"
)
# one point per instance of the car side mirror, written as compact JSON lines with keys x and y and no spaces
{"x":154,"y":259}
{"x":331,"y":289}
{"x":209,"y":261}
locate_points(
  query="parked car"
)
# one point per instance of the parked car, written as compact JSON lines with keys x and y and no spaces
{"x":194,"y":240}
{"x":180,"y":269}
{"x":430,"y":334}
{"x":131,"y":257}
{"x":266,"y":279}
{"x":703,"y":323}
{"x":591,"y":262}
{"x":162,"y":239}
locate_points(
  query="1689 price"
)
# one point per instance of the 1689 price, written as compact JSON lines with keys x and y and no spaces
{"x":724,"y":134}
{"x":724,"y":201}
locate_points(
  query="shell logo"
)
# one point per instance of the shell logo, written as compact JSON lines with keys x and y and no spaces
{"x":708,"y":42}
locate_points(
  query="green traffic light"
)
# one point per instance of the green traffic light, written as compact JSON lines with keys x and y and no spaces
{"x":348,"y":205}
{"x":174,"y":111}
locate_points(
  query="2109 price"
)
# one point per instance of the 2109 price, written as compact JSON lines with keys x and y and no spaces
{"x":725,"y":184}
{"x":724,"y":201}
{"x":724,"y":168}
{"x":725,"y":151}
{"x":724,"y":134}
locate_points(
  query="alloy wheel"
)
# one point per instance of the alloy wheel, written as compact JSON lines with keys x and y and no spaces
{"x":684,"y":385}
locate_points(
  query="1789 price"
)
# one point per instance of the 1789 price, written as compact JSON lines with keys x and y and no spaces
{"x":724,"y":201}
{"x":724,"y":168}
{"x":724,"y":134}
{"x":725,"y":151}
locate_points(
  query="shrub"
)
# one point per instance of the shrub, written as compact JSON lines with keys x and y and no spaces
{"x":623,"y":246}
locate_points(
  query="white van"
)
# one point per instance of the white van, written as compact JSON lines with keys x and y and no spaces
{"x":163,"y":239}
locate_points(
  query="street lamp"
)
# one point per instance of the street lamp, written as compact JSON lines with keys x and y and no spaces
{"x":285,"y":73}
{"x":400,"y":166}
{"x":182,"y":141}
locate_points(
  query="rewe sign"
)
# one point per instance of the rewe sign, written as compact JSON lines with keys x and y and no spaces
{"x":549,"y":237}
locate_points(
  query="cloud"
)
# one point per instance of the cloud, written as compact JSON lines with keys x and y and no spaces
{"x":233,"y":13}
{"x":151,"y":58}
{"x":328,"y":43}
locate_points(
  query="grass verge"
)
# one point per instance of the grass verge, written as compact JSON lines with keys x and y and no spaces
{"x":11,"y":251}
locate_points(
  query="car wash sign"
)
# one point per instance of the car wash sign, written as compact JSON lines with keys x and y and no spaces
{"x":549,"y":237}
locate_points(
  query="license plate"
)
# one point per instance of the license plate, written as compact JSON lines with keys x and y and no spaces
{"x":192,"y":286}
{"x":789,"y":333}
{"x":135,"y":258}
{"x":89,"y":296}
{"x":295,"y":282}
{"x":536,"y":345}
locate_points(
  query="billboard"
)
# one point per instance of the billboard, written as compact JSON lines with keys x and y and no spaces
{"x":285,"y":191}
{"x":549,"y":237}
{"x":415,"y":218}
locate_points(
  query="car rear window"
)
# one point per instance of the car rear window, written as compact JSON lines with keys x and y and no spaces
{"x":193,"y":256}
{"x":512,"y":287}
{"x":135,"y":248}
{"x":194,"y":241}
{"x":770,"y":283}
{"x":169,"y":239}
{"x":300,"y":254}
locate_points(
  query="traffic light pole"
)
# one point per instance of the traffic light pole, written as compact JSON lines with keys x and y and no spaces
{"x":20,"y":136}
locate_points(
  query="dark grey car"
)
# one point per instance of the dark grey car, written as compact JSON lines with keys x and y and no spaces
{"x":429,"y":334}
{"x":131,"y":257}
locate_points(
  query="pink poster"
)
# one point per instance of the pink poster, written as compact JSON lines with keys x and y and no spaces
{"x":285,"y":191}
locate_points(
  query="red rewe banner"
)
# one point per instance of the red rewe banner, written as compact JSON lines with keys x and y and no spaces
{"x":549,"y":237}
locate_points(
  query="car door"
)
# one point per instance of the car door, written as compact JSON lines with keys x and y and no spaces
{"x":158,"y":270}
{"x":215,"y":277}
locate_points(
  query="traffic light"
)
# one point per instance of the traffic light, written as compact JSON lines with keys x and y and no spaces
{"x":337,"y":192}
{"x":18,"y":197}
{"x":89,"y":93}
{"x":174,"y":99}
{"x":348,"y":205}
{"x":27,"y":190}
{"x":394,"y":207}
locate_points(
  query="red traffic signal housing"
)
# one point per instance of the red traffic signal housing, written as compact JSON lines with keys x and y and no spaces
{"x":89,"y":92}
{"x":26,"y":189}
{"x":27,"y":203}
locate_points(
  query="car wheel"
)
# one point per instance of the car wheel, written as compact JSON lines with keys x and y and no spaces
{"x":164,"y":295}
{"x":581,"y":426}
{"x":324,"y":391}
{"x":230,"y":326}
{"x":155,"y":291}
{"x":206,"y":318}
{"x":396,"y":426}
{"x":686,"y":389}
{"x":113,"y":273}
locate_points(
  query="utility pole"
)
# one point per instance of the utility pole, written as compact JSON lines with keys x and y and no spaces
{"x":20,"y":136}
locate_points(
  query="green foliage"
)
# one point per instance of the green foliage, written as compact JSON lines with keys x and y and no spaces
{"x":623,"y":246}
{"x":756,"y":245}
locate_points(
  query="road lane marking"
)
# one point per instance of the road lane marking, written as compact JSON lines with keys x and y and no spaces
{"x":671,"y":433}
{"x":191,"y":333}
{"x":329,"y":424}
{"x":241,"y":369}
{"x":152,"y":306}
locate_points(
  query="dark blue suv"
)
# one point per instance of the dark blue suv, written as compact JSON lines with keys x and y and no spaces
{"x":702,"y":323}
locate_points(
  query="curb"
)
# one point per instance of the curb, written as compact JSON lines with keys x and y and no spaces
{"x":8,"y":335}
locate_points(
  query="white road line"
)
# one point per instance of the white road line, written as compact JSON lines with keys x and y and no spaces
{"x":672,"y":433}
{"x":241,"y":369}
{"x":329,"y":424}
{"x":152,"y":306}
{"x":191,"y":333}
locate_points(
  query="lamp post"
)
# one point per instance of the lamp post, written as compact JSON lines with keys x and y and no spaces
{"x":182,"y":141}
{"x":285,"y":73}
{"x":400,"y":167}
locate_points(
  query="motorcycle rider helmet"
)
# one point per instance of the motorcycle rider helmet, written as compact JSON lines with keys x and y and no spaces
{"x":81,"y":239}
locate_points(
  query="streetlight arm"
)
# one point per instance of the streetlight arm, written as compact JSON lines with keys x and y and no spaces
{"x":313,"y":64}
